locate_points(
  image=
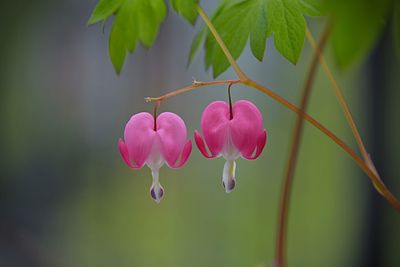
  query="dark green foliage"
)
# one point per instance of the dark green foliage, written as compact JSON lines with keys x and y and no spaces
{"x":357,"y":26}
{"x":396,"y":26}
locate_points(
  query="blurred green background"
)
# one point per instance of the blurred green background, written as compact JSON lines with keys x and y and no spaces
{"x":67,"y":198}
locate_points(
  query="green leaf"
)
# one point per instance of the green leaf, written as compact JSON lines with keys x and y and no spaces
{"x":117,"y":48}
{"x":397,"y":26}
{"x":200,"y":36}
{"x":288,"y":26}
{"x":235,"y":24}
{"x":311,"y":8}
{"x":186,"y":8}
{"x":257,"y":20}
{"x":259,"y":33}
{"x":135,"y":21}
{"x":103,"y":10}
{"x":359,"y":27}
{"x":197,"y":41}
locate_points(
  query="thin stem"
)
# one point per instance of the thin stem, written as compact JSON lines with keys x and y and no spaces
{"x":281,"y":238}
{"x":339,"y":96}
{"x":195,"y":85}
{"x":345,"y":109}
{"x":242,"y":76}
{"x":252,"y":84}
{"x":381,"y":188}
{"x":155,"y":108}
{"x":230,"y":101}
{"x":367,"y":166}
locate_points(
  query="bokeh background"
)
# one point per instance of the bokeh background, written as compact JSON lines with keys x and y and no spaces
{"x":67,"y":199}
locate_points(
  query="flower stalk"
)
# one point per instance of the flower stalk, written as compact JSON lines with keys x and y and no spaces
{"x":339,"y":95}
{"x":367,"y":166}
{"x":281,"y":239}
{"x":230,"y":101}
{"x":364,"y":162}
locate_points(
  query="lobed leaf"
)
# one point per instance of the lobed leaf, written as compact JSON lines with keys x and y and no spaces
{"x":256,"y":20}
{"x":103,"y":10}
{"x":259,"y":33}
{"x":135,"y":21}
{"x":186,"y":8}
{"x":288,"y":26}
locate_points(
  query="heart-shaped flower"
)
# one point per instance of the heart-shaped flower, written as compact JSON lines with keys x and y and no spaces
{"x":154,"y":142}
{"x":231,"y":133}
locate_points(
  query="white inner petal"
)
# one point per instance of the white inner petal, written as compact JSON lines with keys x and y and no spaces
{"x":155,"y":159}
{"x":230,"y":154}
{"x":155,"y":162}
{"x":229,"y":151}
{"x":228,"y":176}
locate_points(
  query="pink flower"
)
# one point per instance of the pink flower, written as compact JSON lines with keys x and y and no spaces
{"x":154,"y":142}
{"x":231,"y":133}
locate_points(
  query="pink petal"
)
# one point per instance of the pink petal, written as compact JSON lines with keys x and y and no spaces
{"x":202,"y":146}
{"x":246,"y":127}
{"x":123,"y":149}
{"x":214,"y":125}
{"x":172,"y":132}
{"x":185,"y":155}
{"x":261,"y":141}
{"x":139,"y":137}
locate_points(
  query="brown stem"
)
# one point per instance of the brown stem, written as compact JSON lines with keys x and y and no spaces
{"x":155,"y":108}
{"x":242,"y":76}
{"x":381,"y":188}
{"x":195,"y":85}
{"x":345,"y":108}
{"x":281,"y":238}
{"x":230,"y":101}
{"x":367,"y":166}
{"x":339,"y":96}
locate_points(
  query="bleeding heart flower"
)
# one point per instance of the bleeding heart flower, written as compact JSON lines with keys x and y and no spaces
{"x":231,"y":132}
{"x":154,"y":142}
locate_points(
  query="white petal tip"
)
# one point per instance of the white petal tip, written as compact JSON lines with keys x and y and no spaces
{"x":157,"y":193}
{"x":229,"y":186}
{"x":228,"y":176}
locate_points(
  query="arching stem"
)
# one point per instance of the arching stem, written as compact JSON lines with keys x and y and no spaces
{"x":281,"y":238}
{"x":344,"y":106}
{"x":339,"y":95}
{"x":367,"y":167}
{"x":381,"y":188}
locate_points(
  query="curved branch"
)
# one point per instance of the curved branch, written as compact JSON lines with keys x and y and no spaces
{"x":287,"y":184}
{"x":339,"y":95}
{"x":367,"y":166}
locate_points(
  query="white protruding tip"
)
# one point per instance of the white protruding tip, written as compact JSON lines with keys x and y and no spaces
{"x":157,"y":192}
{"x":228,"y":176}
